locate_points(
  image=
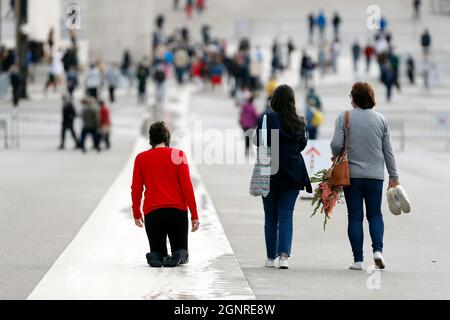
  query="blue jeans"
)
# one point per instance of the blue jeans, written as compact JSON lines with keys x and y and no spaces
{"x":279,"y":209}
{"x":369,"y":191}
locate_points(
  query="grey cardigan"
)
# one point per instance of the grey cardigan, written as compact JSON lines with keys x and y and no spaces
{"x":370,"y":144}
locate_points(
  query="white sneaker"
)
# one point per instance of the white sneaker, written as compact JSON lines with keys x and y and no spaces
{"x":283,"y":263}
{"x":394,"y":202}
{"x":379,"y":261}
{"x":403,"y":199}
{"x":271,"y":263}
{"x":356,"y":266}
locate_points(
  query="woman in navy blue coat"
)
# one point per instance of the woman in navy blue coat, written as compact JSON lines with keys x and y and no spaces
{"x":287,"y":138}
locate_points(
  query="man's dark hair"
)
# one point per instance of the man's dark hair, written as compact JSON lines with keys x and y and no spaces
{"x":159,"y":134}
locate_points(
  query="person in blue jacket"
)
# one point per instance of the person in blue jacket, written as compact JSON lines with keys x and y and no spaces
{"x":321,"y":24}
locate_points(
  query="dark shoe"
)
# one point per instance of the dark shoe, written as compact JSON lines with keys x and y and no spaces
{"x":154,"y":260}
{"x":184,"y":256}
{"x":179,"y":257}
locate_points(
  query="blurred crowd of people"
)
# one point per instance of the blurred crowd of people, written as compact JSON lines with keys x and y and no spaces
{"x":96,"y":123}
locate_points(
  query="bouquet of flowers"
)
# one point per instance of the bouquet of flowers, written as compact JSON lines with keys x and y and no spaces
{"x":325,"y":195}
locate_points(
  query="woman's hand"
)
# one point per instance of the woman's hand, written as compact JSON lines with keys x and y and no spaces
{"x":393,"y":184}
{"x":195,"y":225}
{"x":139,"y":222}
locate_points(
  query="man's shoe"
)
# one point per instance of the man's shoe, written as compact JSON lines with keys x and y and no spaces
{"x":283,"y":262}
{"x":271,"y":263}
{"x":358,"y":266}
{"x":184,"y":255}
{"x":154,"y":260}
{"x":394,"y":203}
{"x":379,"y":261}
{"x":179,"y":257}
{"x":403,"y":199}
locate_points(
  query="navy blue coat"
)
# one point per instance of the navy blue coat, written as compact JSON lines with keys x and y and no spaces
{"x":292,"y":172}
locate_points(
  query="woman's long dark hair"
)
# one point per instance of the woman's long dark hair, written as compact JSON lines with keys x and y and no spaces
{"x":283,"y":103}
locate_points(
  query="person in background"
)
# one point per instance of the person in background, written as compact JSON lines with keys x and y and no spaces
{"x":256,"y":69}
{"x":162,"y":173}
{"x":425,"y":41}
{"x":93,"y":81}
{"x":394,"y":60}
{"x":306,"y":69}
{"x":160,"y":21}
{"x":112,"y":77}
{"x":200,"y":4}
{"x":248,"y":120}
{"x":189,"y":8}
{"x":337,"y":20}
{"x":51,"y":39}
{"x":410,"y":69}
{"x":217,"y":70}
{"x":387,"y":78}
{"x":369,"y":150}
{"x":369,"y":52}
{"x":68,"y":116}
{"x":288,"y":180}
{"x":72,"y":81}
{"x":276,"y":58}
{"x":314,"y":114}
{"x":271,"y":86}
{"x":335,"y":51}
{"x":125,"y":67}
{"x":206,"y":34}
{"x":356,"y":54}
{"x":416,"y":5}
{"x":383,"y":24}
{"x":91,"y":122}
{"x":142,"y":75}
{"x":242,"y":95}
{"x":311,"y":26}
{"x":321,"y":24}
{"x":15,"y":80}
{"x":181,"y":62}
{"x":105,"y":124}
{"x":176,"y":5}
{"x":290,"y":50}
{"x":322,"y":58}
{"x":159,"y":77}
{"x":51,"y":76}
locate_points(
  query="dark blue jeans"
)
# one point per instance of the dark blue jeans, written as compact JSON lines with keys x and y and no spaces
{"x":369,"y":192}
{"x":279,"y":209}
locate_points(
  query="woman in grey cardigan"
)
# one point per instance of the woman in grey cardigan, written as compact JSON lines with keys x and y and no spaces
{"x":370,"y":148}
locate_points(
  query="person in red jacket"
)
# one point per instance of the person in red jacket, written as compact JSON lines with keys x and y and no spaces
{"x":162,"y":173}
{"x":105,"y":123}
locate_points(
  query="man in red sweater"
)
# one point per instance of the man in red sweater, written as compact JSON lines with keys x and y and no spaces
{"x":162,"y":173}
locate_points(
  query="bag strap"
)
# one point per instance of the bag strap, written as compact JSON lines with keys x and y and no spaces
{"x":264,"y":131}
{"x":346,"y":128}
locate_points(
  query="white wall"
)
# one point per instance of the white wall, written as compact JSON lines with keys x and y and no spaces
{"x":43,"y":15}
{"x":113,"y":26}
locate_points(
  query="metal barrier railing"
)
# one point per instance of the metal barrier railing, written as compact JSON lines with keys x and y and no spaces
{"x":4,"y":128}
{"x":408,"y":126}
{"x":4,"y":83}
{"x":440,"y":6}
{"x":17,"y":124}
